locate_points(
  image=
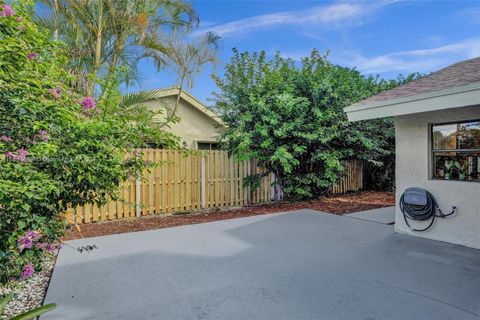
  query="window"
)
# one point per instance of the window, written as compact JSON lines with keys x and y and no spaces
{"x":456,"y":151}
{"x":208,"y":146}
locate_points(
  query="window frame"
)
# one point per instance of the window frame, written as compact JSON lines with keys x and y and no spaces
{"x":197,"y":142}
{"x":433,"y":151}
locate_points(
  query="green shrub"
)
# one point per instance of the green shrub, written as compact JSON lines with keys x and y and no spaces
{"x":290,"y":117}
{"x":56,"y":148}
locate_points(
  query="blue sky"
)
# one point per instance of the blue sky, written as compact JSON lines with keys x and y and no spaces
{"x":377,"y":37}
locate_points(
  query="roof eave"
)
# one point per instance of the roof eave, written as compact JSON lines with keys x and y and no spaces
{"x":187,"y":96}
{"x":455,"y":97}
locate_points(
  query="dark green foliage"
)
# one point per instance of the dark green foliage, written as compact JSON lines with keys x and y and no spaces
{"x":55,"y":150}
{"x":291,"y":118}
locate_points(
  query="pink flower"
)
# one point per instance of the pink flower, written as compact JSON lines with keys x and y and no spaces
{"x":7,"y":11}
{"x":5,"y":138}
{"x":49,"y":248}
{"x":24,"y":243}
{"x":88,"y":103}
{"x":20,"y":156}
{"x":43,"y":135}
{"x":20,"y":19}
{"x":21,"y":28}
{"x":32,"y":56}
{"x":57,"y":92}
{"x":40,"y":245}
{"x":32,"y":234}
{"x":28,"y":271}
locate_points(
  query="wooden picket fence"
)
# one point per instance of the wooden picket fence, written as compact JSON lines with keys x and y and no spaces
{"x":183,"y":182}
{"x":352,"y":180}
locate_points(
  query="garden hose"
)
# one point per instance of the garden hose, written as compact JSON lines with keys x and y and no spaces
{"x":421,"y":212}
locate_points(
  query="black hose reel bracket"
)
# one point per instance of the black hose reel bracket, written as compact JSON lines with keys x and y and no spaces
{"x":420,"y":205}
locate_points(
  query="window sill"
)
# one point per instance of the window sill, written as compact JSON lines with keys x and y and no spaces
{"x":454,"y":180}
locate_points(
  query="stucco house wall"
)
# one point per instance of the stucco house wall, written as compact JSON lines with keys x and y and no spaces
{"x":413,"y":169}
{"x":194,"y":124}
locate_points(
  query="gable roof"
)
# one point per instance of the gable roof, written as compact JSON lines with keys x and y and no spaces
{"x":188,"y":97}
{"x":454,"y":86}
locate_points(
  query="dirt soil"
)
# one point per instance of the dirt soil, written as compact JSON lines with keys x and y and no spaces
{"x":337,"y":204}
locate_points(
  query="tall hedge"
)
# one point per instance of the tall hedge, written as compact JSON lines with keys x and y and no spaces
{"x":290,"y":117}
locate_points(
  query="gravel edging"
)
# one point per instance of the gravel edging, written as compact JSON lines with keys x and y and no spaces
{"x":30,"y":293}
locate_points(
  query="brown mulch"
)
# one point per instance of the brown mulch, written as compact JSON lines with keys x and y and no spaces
{"x":338,"y":204}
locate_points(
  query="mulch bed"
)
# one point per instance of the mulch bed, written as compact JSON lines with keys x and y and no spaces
{"x":338,"y":204}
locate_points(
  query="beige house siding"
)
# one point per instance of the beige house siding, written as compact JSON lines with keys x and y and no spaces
{"x":195,"y":125}
{"x":413,"y":168}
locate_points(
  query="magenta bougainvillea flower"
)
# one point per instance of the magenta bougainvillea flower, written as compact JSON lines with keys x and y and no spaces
{"x":9,"y":155}
{"x":88,"y":103}
{"x":32,"y":234}
{"x":24,"y":243}
{"x":57,"y":92}
{"x":43,"y":135}
{"x":7,"y":11}
{"x":28,"y":271}
{"x":32,"y":56}
{"x":5,"y":138}
{"x":21,"y":155}
{"x":40,"y":245}
{"x":49,"y":248}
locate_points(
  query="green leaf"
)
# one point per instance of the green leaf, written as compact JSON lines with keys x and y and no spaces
{"x":4,"y":301}
{"x":36,"y":312}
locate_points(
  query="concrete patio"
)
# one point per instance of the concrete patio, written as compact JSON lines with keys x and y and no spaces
{"x":297,"y":265}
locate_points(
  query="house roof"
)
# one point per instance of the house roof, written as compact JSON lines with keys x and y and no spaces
{"x":454,"y":86}
{"x":188,"y":97}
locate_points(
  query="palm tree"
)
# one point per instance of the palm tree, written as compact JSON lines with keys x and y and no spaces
{"x":104,"y":34}
{"x":186,"y":57}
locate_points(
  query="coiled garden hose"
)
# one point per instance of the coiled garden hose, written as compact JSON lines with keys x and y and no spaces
{"x":429,"y":211}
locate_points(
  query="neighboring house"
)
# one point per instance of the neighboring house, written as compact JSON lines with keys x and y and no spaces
{"x":198,"y":127}
{"x":437,"y":124}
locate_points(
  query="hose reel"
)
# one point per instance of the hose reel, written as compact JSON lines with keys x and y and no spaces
{"x":420,"y":205}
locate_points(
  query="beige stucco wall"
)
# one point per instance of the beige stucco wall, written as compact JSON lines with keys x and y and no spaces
{"x":194,"y":125}
{"x":413,"y":170}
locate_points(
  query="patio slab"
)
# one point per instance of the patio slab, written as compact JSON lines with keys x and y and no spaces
{"x":381,"y":215}
{"x":297,"y":265}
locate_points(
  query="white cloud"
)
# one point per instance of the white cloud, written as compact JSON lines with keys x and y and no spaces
{"x":420,"y":60}
{"x":473,"y":14}
{"x":333,"y":14}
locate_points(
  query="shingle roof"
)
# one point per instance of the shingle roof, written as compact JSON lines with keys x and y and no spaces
{"x":458,"y":74}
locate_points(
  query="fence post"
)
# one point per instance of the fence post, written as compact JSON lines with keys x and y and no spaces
{"x":278,"y":189}
{"x":138,"y":197}
{"x":249,"y":173}
{"x":203,"y":184}
{"x":273,"y":196}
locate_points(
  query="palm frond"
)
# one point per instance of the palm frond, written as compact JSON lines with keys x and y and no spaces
{"x":130,"y":100}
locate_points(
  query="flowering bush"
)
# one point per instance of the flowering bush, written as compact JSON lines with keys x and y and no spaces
{"x":54,"y":151}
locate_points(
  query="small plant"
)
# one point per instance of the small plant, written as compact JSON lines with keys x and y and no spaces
{"x":449,"y":168}
{"x":462,"y":169}
{"x":32,"y":314}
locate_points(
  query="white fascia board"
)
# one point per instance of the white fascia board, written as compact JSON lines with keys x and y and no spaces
{"x":462,"y":96}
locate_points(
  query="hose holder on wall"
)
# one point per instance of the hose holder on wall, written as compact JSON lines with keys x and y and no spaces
{"x":420,"y":205}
